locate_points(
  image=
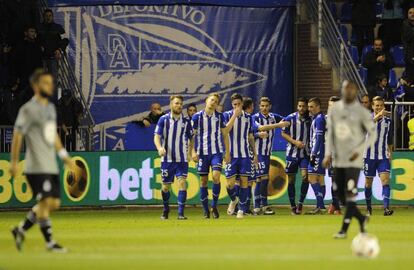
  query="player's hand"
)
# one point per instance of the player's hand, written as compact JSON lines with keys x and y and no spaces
{"x":161,"y":151}
{"x":238,"y":111}
{"x":385,"y":113}
{"x":354,"y":156}
{"x":227,"y":158}
{"x":194,"y":156}
{"x":299,"y":144}
{"x":146,"y":123}
{"x":13,"y":169}
{"x":263,"y":134}
{"x":327,"y":161}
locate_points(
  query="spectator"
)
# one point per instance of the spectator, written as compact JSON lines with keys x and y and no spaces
{"x":392,"y":18}
{"x":10,"y":104}
{"x":408,"y":43}
{"x":377,"y":62}
{"x":381,"y":89}
{"x":220,"y":108}
{"x":363,"y":21}
{"x":366,"y":102}
{"x":191,"y":110}
{"x":70,"y":112}
{"x":153,"y":117}
{"x":51,"y":41}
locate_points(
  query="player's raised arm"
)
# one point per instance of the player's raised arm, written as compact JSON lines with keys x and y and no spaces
{"x":230,"y":121}
{"x":281,"y":124}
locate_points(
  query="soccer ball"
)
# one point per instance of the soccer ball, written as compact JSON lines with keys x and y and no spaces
{"x":365,"y":246}
{"x":76,"y":181}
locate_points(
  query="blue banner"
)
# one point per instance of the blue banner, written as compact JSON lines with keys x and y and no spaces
{"x":236,"y":3}
{"x":127,"y":57}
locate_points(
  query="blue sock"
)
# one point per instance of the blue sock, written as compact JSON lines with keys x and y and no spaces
{"x":257,"y":197}
{"x":243,"y":199}
{"x":318,"y":193}
{"x":323,"y":189}
{"x":263,"y":191}
{"x":216,"y":194}
{"x":237,"y":187}
{"x":386,"y":193}
{"x":303,"y":191}
{"x":182,"y":197}
{"x":335,"y":201}
{"x":204,"y":198}
{"x":232,"y":193}
{"x":249,"y":197}
{"x":368,"y":196}
{"x":291,"y":193}
{"x":166,"y":200}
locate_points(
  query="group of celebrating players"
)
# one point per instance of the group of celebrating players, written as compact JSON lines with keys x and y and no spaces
{"x":244,"y":141}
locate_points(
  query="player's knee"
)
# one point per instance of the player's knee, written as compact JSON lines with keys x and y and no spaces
{"x":165,"y":187}
{"x":182,"y":184}
{"x":244,"y":182}
{"x":231,"y":182}
{"x":216,"y":177}
{"x":305,"y":178}
{"x":291,"y":178}
{"x":368,"y":182}
{"x":204,"y":181}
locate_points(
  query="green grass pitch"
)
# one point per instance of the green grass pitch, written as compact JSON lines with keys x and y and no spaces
{"x":137,"y":239}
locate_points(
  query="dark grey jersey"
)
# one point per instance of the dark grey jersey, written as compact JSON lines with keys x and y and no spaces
{"x":37,"y":122}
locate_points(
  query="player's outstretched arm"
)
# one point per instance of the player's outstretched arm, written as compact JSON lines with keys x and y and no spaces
{"x":15,"y":151}
{"x":281,"y":124}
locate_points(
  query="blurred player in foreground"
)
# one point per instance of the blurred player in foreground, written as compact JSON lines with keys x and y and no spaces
{"x":350,"y":131}
{"x":173,"y":139}
{"x":36,"y":123}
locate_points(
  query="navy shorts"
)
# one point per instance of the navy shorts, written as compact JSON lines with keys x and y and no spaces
{"x":372,"y":166}
{"x":293,"y":164}
{"x":169,"y":170}
{"x":263,"y":166}
{"x":238,"y":166}
{"x":205,"y":162}
{"x":317,"y":168}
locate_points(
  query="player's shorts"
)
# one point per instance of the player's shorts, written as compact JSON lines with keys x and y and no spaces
{"x":238,"y":166}
{"x":263,"y":166}
{"x":345,"y":183}
{"x":205,"y":162}
{"x":44,"y":185}
{"x":253,"y":171}
{"x":293,"y":164}
{"x":317,"y":168}
{"x":169,"y":170}
{"x":371,"y":166}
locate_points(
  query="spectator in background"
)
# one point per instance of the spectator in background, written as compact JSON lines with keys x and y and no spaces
{"x":220,"y":108}
{"x":153,"y":117}
{"x":377,"y":62}
{"x":363,"y":21}
{"x":408,"y":43}
{"x":392,"y":18}
{"x":69,"y":112}
{"x":366,"y":102}
{"x":191,"y":110}
{"x":381,"y":89}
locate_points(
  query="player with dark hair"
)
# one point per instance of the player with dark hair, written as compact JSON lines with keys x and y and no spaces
{"x":297,"y":152}
{"x":174,"y":141}
{"x":377,"y":158}
{"x":36,"y":123}
{"x":191,"y":110}
{"x":350,"y":131}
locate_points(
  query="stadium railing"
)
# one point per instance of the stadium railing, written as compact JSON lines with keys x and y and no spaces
{"x":401,"y":113}
{"x":331,"y":42}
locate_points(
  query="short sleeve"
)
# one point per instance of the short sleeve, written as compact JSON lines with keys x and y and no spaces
{"x":222,"y":121}
{"x":160,"y":126}
{"x":320,"y":125}
{"x":226,"y":117}
{"x":278,"y":117}
{"x":252,"y":124}
{"x":23,"y":121}
{"x":194,"y":120}
{"x":287,"y":129}
{"x":189,"y":131}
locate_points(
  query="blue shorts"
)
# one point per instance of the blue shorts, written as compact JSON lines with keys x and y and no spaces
{"x":205,"y":162}
{"x":238,"y":166}
{"x":371,"y":166}
{"x":263,"y":166}
{"x":171,"y":169}
{"x":293,"y":164}
{"x":317,"y":168}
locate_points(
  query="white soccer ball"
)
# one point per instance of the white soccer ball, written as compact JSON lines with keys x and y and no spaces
{"x":365,"y":246}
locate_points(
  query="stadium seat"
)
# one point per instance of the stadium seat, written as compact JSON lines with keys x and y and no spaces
{"x":397,"y":53}
{"x":346,"y":12}
{"x":392,"y":79}
{"x":344,"y":32}
{"x":379,"y":8}
{"x":353,"y":51}
{"x":366,"y":50}
{"x":363,"y":72}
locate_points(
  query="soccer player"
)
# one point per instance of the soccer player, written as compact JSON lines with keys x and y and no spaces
{"x":316,"y":172}
{"x":334,"y":208}
{"x":241,"y":138}
{"x":378,"y":157}
{"x":349,"y":123}
{"x":266,"y":123}
{"x":36,"y":123}
{"x":297,"y":152}
{"x":212,"y":141}
{"x":173,"y":138}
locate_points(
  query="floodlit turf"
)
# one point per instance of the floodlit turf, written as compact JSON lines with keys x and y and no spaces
{"x":138,"y":239}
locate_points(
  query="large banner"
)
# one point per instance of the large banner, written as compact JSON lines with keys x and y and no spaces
{"x":134,"y":178}
{"x":127,"y":57}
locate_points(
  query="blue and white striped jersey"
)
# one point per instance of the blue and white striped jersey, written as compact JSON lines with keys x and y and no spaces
{"x":317,"y":135}
{"x":384,"y":138}
{"x":299,"y":130}
{"x":239,"y":134}
{"x":264,"y":146}
{"x":174,"y":137}
{"x":209,"y":139}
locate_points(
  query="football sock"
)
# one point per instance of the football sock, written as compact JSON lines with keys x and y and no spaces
{"x":243,"y":199}
{"x":232,"y":193}
{"x":249,"y":197}
{"x":216,"y":194}
{"x":323,"y":190}
{"x":28,"y":222}
{"x":46,"y":229}
{"x":318,"y":194}
{"x":335,"y":201}
{"x":386,"y":191}
{"x":237,"y":187}
{"x":182,"y":197}
{"x":368,"y":196}
{"x":303,"y":191}
{"x":204,"y":198}
{"x":263,"y":191}
{"x":257,"y":197}
{"x":291,"y":193}
{"x":166,"y":200}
